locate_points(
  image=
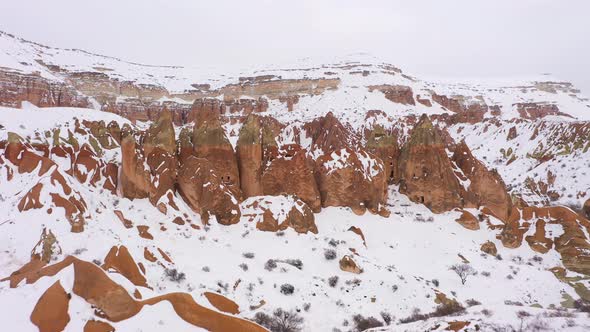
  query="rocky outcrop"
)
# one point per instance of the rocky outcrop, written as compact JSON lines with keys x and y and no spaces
{"x":16,"y":88}
{"x":111,"y":301}
{"x":159,"y":149}
{"x":352,"y":178}
{"x":468,"y":221}
{"x":486,"y":188}
{"x":256,"y":147}
{"x":292,"y":173}
{"x":534,"y":111}
{"x":249,"y":156}
{"x":464,"y":109}
{"x":277,"y":213}
{"x":385,"y":146}
{"x":119,"y":259}
{"x":426,"y":173}
{"x":206,"y":193}
{"x":135,"y":178}
{"x":51,"y":311}
{"x":570,"y":242}
{"x":586,"y":208}
{"x":346,"y":174}
{"x":211,"y":143}
{"x":400,"y":94}
{"x":348,"y":264}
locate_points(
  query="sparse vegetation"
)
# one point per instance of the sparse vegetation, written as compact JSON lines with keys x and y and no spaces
{"x":464,"y":271}
{"x":330,"y":254}
{"x":270,"y":264}
{"x":333,"y":281}
{"x":294,"y":262}
{"x":387,"y":318}
{"x":364,"y":323}
{"x":174,"y":275}
{"x":287,"y":289}
{"x":472,"y":302}
{"x":445,"y":309}
{"x":280,"y":321}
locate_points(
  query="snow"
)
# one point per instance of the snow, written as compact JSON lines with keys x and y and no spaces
{"x":404,"y":250}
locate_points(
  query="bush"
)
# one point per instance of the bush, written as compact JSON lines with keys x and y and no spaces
{"x":287,"y":289}
{"x":445,"y":309}
{"x":386,"y":316}
{"x":364,"y":323}
{"x":463,"y":271}
{"x":472,"y":302}
{"x":330,"y":254}
{"x":270,"y":264}
{"x":294,"y":262}
{"x":244,"y":266}
{"x":248,"y":255}
{"x":306,"y":306}
{"x":332,"y":281}
{"x":435,"y":282}
{"x":174,"y":275}
{"x":582,"y":305}
{"x":414,"y":317}
{"x":280,"y":321}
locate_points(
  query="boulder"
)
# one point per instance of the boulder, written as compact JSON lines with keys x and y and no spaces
{"x":348,"y":264}
{"x":51,"y":311}
{"x":489,"y":248}
{"x":468,"y":221}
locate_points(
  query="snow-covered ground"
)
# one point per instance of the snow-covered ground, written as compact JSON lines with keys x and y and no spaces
{"x":405,"y":258}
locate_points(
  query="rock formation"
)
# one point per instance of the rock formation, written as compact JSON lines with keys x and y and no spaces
{"x":486,"y":188}
{"x":135,"y":178}
{"x":206,"y":193}
{"x":348,"y":264}
{"x":291,"y":173}
{"x":385,"y":146}
{"x":277,"y":213}
{"x":211,"y":143}
{"x":426,"y":173}
{"x":159,"y":149}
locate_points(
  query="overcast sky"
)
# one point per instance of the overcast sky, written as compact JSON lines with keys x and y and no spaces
{"x":450,"y":38}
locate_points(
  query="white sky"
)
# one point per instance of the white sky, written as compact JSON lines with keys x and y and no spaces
{"x":440,"y":38}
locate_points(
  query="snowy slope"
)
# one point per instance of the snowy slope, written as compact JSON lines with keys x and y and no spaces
{"x":405,"y":258}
